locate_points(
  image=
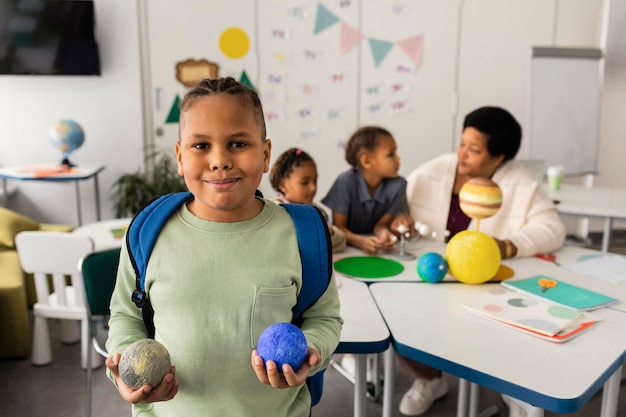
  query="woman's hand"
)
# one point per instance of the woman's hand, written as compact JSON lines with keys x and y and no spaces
{"x":507,"y":248}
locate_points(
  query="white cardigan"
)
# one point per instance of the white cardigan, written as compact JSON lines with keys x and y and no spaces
{"x":527,"y":217}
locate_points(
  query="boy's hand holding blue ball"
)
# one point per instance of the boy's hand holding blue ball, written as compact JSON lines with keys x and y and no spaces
{"x":283,"y":358}
{"x":283,"y":343}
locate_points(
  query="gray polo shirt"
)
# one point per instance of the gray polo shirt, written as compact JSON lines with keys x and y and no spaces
{"x":349,"y":195}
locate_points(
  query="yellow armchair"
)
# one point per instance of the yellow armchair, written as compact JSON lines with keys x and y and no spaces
{"x":17,"y":289}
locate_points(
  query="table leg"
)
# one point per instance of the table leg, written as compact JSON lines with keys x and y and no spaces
{"x":610,"y":394}
{"x":78,"y":207}
{"x":462,"y":400}
{"x":97,"y":191}
{"x":473,"y":399}
{"x":360,"y":385}
{"x":606,"y":236}
{"x":390,"y":376}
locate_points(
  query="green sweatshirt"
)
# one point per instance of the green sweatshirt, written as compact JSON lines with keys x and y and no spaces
{"x":214,"y":288}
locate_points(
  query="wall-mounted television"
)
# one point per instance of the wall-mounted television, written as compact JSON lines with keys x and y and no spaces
{"x":48,"y":37}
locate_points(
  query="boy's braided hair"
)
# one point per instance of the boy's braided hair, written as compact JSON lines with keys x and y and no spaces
{"x":228,"y":85}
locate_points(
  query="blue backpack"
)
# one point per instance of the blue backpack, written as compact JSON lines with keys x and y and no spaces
{"x":313,"y":242}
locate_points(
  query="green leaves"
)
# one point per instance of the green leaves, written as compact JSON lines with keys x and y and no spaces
{"x":135,"y":190}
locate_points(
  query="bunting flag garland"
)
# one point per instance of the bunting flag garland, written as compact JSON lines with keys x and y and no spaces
{"x":325,"y":19}
{"x":380,"y":49}
{"x":413,"y":47}
{"x":350,"y":37}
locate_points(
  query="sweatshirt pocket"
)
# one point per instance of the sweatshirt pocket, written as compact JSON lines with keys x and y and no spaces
{"x":271,"y":305}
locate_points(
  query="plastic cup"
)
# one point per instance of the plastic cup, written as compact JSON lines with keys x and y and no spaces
{"x":555,"y":177}
{"x":554,"y":182}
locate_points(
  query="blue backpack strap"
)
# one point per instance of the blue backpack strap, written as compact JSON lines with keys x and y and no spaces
{"x":316,"y":257}
{"x":143,"y":232}
{"x":315,"y":254}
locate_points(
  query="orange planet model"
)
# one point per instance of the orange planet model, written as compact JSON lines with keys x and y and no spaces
{"x":480,"y":198}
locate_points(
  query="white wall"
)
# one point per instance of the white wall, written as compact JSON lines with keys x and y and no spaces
{"x":108,"y":108}
{"x":492,"y":62}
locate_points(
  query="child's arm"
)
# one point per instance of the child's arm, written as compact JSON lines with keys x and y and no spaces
{"x":382,"y":230}
{"x":403,"y":219}
{"x":270,"y":374}
{"x":165,"y":391}
{"x":368,"y":244}
{"x":125,"y":327}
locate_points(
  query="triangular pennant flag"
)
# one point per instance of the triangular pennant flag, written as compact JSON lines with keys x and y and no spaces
{"x":380,"y":49}
{"x":413,"y":47}
{"x":245,"y":80}
{"x":324,"y":19}
{"x":174,"y":115}
{"x":350,"y":37}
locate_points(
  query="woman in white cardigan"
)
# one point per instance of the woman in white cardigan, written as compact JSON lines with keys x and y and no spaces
{"x":526,"y":224}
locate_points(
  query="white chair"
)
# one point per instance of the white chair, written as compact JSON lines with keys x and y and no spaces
{"x":57,"y":254}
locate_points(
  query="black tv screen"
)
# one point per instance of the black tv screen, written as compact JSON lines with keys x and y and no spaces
{"x":48,"y":37}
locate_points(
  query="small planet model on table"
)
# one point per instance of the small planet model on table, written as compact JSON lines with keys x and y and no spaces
{"x":283,"y":343}
{"x":432,"y":267}
{"x":473,"y":257}
{"x":144,"y":362}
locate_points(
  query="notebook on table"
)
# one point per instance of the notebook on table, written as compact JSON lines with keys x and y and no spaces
{"x":561,"y":293}
{"x":529,"y":314}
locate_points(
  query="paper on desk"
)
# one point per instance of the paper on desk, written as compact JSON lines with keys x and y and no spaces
{"x":609,"y":268}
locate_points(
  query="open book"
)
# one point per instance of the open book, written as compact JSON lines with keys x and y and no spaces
{"x":560,"y":292}
{"x":534,"y":316}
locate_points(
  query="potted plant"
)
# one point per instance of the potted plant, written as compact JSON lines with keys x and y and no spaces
{"x":135,"y":190}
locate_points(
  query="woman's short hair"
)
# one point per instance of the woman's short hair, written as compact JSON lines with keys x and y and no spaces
{"x":504,"y":133}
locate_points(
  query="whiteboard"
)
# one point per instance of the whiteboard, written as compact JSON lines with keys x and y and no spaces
{"x":565,"y":107}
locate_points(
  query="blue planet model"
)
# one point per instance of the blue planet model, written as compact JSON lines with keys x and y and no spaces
{"x":283,"y":343}
{"x":432,"y":267}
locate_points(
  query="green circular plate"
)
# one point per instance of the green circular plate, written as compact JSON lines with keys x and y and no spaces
{"x":368,"y":267}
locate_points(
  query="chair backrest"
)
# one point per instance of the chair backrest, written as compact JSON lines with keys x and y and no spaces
{"x":99,"y":270}
{"x":56,"y":254}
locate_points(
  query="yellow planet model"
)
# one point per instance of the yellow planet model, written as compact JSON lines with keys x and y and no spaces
{"x":473,"y":257}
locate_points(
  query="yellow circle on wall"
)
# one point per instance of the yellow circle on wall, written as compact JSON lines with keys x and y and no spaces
{"x":234,"y":43}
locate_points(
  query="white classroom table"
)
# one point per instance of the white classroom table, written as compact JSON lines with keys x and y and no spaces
{"x":594,"y":202}
{"x":101,"y":233}
{"x":416,"y":247}
{"x":76,"y":175}
{"x":555,"y":377}
{"x":364,"y":332}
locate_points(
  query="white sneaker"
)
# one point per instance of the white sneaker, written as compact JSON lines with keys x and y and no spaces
{"x":417,"y":400}
{"x":348,"y":363}
{"x":515,"y":410}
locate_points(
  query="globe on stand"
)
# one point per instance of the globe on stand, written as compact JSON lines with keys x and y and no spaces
{"x":67,"y":136}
